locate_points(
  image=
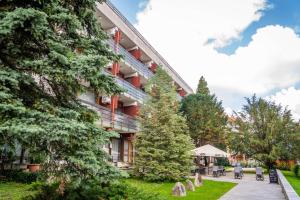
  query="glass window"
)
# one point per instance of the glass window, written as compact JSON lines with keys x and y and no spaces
{"x":115,"y":153}
{"x":126,"y":147}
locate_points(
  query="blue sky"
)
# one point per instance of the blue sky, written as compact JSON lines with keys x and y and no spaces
{"x":261,"y":58}
{"x":282,"y":12}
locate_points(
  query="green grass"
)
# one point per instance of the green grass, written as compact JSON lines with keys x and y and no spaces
{"x":13,"y":191}
{"x":211,"y":190}
{"x":293,"y":180}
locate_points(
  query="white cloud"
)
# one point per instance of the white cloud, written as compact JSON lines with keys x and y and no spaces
{"x":187,"y":33}
{"x":229,"y":111}
{"x":221,"y":21}
{"x":288,"y":97}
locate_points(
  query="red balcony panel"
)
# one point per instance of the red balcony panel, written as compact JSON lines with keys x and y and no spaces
{"x":153,"y":67}
{"x":182,"y":92}
{"x":131,"y":110}
{"x":136,"y":81}
{"x":137,"y":53}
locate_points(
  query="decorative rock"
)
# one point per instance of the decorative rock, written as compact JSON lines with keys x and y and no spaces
{"x":190,"y":186}
{"x":179,"y":190}
{"x":198,"y":180}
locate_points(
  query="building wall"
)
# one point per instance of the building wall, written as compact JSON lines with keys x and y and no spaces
{"x":119,"y":113}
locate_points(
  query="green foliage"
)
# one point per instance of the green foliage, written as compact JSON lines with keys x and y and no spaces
{"x":297,"y":170}
{"x":202,"y":87}
{"x":206,"y":118}
{"x":92,"y":191}
{"x":222,"y":162}
{"x":36,"y":157}
{"x":264,"y":131}
{"x":21,"y":176}
{"x":46,"y":49}
{"x":163,"y":145}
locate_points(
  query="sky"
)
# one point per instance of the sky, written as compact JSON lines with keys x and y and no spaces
{"x":241,"y":47}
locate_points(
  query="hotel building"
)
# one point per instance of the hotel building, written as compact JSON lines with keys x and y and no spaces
{"x":139,"y":63}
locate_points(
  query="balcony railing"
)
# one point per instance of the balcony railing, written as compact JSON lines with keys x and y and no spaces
{"x":179,"y":98}
{"x":121,"y":122}
{"x":141,"y":68}
{"x":134,"y":92}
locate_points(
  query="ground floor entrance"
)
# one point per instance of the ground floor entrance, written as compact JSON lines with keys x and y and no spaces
{"x":121,"y":149}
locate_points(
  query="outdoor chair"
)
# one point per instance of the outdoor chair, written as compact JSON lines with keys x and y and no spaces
{"x":238,"y":173}
{"x":242,"y":171}
{"x":222,"y":170}
{"x":259,"y":174}
{"x":215,"y":171}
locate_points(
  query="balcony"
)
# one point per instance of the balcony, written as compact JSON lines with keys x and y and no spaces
{"x":122,"y":122}
{"x":132,"y":91}
{"x":141,"y":68}
{"x":178,"y":97}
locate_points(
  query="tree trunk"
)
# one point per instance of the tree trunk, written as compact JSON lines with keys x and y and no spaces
{"x":22,"y":156}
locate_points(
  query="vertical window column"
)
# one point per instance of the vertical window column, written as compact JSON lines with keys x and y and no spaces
{"x":115,"y":70}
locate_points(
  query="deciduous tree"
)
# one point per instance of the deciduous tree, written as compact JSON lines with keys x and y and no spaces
{"x":264,"y":131}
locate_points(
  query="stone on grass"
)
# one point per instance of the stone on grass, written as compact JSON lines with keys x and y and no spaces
{"x":190,"y":186}
{"x":179,"y":190}
{"x":198,"y":180}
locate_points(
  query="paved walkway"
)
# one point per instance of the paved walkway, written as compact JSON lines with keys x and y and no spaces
{"x":250,"y":189}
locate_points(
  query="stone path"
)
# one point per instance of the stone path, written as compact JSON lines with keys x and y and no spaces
{"x":250,"y":189}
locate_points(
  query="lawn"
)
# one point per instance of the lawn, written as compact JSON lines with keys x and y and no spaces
{"x":211,"y":190}
{"x":13,"y":191}
{"x":293,"y":180}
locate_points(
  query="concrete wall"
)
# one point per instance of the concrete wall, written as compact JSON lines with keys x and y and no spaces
{"x":287,"y":189}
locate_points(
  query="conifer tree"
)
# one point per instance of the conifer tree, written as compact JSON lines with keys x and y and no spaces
{"x":205,"y":117}
{"x":202,"y":87}
{"x":46,"y":49}
{"x":163,"y":145}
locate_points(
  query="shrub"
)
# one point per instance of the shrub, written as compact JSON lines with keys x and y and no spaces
{"x":91,"y":191}
{"x":283,"y":165}
{"x":222,"y":162}
{"x":21,"y":176}
{"x":297,"y":170}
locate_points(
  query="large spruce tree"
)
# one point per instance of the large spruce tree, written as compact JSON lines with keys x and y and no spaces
{"x":265,"y":131}
{"x":163,"y":145}
{"x":47,"y":48}
{"x":205,"y":117}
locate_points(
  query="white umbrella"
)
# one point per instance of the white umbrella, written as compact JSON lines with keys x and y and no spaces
{"x":209,"y":150}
